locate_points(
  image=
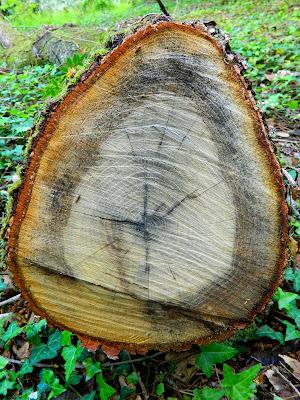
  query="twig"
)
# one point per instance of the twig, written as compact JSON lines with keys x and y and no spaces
{"x":217,"y":375}
{"x":111,"y":364}
{"x":163,"y":8}
{"x":5,"y":315}
{"x":11,"y":137}
{"x":144,"y":390}
{"x":189,"y":392}
{"x":10,"y":300}
{"x":287,"y":381}
{"x":70,"y":386}
{"x":39,"y":365}
{"x":79,"y":366}
{"x":290,"y":372}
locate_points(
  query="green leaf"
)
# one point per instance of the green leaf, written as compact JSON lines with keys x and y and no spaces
{"x":132,"y":378}
{"x":3,"y":362}
{"x":22,"y":126}
{"x":296,"y":281}
{"x":125,"y":392}
{"x":26,"y":368}
{"x":74,"y":378}
{"x":12,"y":331}
{"x":89,"y":396}
{"x":293,"y":104}
{"x":212,"y":354}
{"x":239,"y":386}
{"x":3,"y":374}
{"x":70,"y":354}
{"x":5,"y":385}
{"x":289,"y":274}
{"x":106,"y":391}
{"x":3,"y":285}
{"x":291,"y":332}
{"x":91,"y":368}
{"x":65,"y":338}
{"x":41,"y":352}
{"x":285,"y":298}
{"x":208,"y":393}
{"x":28,"y":394}
{"x":33,"y":329}
{"x":294,"y":312}
{"x":46,"y":351}
{"x":197,"y":394}
{"x":123,"y":369}
{"x":54,"y":341}
{"x":52,"y":381}
{"x":267,"y":331}
{"x":160,"y":389}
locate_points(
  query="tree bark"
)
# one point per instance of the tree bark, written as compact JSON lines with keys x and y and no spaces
{"x":152,"y":211}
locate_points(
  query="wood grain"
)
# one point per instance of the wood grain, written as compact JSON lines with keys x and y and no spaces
{"x":152,"y":209}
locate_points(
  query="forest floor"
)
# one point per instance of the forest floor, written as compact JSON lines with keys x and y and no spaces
{"x":33,"y":361}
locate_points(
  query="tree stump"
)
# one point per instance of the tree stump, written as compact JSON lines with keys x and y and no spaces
{"x":152,"y":211}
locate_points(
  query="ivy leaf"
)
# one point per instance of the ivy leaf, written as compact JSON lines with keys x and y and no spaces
{"x":52,"y":382}
{"x":91,"y":368}
{"x":41,"y":352}
{"x":26,"y":368}
{"x":3,"y":374}
{"x":54,"y":341}
{"x":28,"y":394}
{"x":208,"y":393}
{"x":5,"y":385}
{"x":33,"y":329}
{"x":291,"y":332}
{"x":3,"y":285}
{"x":212,"y":354}
{"x":3,"y":362}
{"x":197,"y":394}
{"x":46,"y":351}
{"x":125,"y":392}
{"x":289,"y":274}
{"x":65,"y":338}
{"x":285,"y":298}
{"x":22,"y":126}
{"x":293,"y":276}
{"x":106,"y":391}
{"x":12,"y":331}
{"x":294,"y":312}
{"x":74,"y":378}
{"x":89,"y":396}
{"x":160,"y":389}
{"x":296,"y":281}
{"x":267,"y":331}
{"x":132,"y":378}
{"x":70,"y":354}
{"x":239,"y":386}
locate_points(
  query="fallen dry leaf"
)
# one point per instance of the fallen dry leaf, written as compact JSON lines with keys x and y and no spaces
{"x":23,"y":351}
{"x":293,"y":245}
{"x":111,"y":352}
{"x":185,"y":365}
{"x":275,"y":380}
{"x":293,"y":363}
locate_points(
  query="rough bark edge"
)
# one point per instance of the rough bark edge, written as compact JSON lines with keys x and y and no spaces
{"x":21,"y":196}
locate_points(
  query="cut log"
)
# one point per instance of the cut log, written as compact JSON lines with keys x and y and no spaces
{"x":49,"y":44}
{"x":152,"y":210}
